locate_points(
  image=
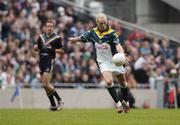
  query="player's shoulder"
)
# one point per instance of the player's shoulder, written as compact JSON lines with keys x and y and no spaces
{"x":56,"y":36}
{"x":111,"y":31}
{"x":88,"y":33}
{"x":115,"y":33}
{"x":91,"y":30}
{"x":94,"y":29}
{"x":41,"y":37}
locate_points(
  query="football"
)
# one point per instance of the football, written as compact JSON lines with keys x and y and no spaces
{"x":119,"y":59}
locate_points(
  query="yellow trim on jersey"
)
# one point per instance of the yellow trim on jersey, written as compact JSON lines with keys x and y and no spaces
{"x":117,"y":34}
{"x":100,"y":35}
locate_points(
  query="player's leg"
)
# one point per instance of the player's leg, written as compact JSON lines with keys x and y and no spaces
{"x":124,"y":89}
{"x":107,"y":76}
{"x":60,"y":101}
{"x":46,"y":77}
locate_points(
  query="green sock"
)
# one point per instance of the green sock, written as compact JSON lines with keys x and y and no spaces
{"x":120,"y":95}
{"x":124,"y":91}
{"x":113,"y":93}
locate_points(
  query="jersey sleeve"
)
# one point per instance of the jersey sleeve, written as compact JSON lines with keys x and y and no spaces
{"x":58,"y":43}
{"x":39,"y":43}
{"x":116,"y":38}
{"x":85,"y":37}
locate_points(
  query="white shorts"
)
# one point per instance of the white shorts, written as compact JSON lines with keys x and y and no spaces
{"x":109,"y":66}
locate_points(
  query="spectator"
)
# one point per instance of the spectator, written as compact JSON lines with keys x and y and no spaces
{"x":21,"y":24}
{"x":142,"y":67}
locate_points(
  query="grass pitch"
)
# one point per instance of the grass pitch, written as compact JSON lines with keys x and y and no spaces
{"x":89,"y":117}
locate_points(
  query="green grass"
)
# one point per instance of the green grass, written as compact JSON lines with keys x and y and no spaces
{"x":89,"y":117}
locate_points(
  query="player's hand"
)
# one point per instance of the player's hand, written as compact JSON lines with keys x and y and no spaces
{"x":60,"y":51}
{"x":72,"y":40}
{"x":127,"y":60}
{"x":35,"y":48}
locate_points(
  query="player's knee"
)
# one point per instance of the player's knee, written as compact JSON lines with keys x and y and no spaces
{"x":124,"y":84}
{"x":109,"y":83}
{"x":45,"y":86}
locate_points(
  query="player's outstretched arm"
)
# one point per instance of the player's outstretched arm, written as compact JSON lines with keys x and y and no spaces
{"x":74,"y":39}
{"x":120,"y":49}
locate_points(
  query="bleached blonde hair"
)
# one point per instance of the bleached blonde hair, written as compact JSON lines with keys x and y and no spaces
{"x":101,"y":15}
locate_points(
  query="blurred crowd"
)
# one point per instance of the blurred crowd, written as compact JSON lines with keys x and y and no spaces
{"x":21,"y":22}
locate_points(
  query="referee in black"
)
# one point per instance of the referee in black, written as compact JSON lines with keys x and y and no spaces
{"x":48,"y":44}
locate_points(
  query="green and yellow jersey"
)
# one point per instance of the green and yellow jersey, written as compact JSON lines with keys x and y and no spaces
{"x":104,"y":43}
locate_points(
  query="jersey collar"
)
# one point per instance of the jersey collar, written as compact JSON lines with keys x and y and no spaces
{"x":49,"y":36}
{"x":102,"y":34}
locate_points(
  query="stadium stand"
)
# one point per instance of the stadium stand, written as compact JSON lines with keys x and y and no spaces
{"x":21,"y":22}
